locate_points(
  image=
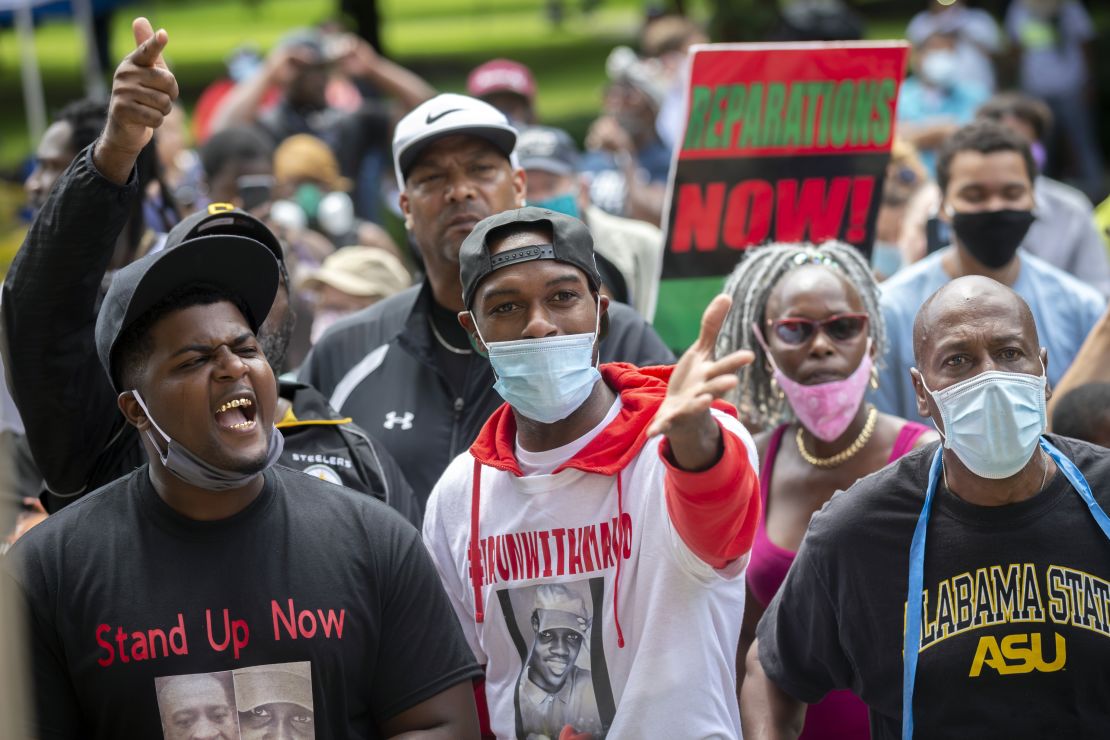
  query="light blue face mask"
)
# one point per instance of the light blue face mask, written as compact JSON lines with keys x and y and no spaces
{"x":566,"y":203}
{"x":993,"y":421}
{"x":545,"y":379}
{"x":886,"y":258}
{"x":196,"y":472}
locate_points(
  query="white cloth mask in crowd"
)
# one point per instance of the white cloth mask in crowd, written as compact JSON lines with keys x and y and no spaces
{"x":940,"y":67}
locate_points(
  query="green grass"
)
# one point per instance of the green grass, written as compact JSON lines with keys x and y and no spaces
{"x":442,"y":39}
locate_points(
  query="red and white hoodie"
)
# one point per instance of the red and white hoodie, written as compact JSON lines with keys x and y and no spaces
{"x":607,"y":597}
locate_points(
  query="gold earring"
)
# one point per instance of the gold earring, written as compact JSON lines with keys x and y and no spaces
{"x":776,"y":389}
{"x":874,"y":379}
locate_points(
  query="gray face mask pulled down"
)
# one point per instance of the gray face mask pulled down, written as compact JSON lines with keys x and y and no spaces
{"x":196,"y":472}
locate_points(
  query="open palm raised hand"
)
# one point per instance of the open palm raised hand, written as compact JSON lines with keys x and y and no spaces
{"x":696,"y":381}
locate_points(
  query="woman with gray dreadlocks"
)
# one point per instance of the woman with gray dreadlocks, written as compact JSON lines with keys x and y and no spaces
{"x":811,"y":315}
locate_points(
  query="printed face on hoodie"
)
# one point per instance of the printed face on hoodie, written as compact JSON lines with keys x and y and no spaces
{"x":554,"y":652}
{"x":530,"y":300}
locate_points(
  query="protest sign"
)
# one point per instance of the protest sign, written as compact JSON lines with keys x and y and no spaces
{"x":783,"y":142}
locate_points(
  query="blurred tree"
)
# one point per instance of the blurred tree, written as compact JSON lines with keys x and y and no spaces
{"x":743,"y":20}
{"x":366,"y":20}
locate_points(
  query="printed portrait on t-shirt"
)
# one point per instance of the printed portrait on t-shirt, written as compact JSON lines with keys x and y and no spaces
{"x":197,"y":705}
{"x":275,"y":701}
{"x":564,"y":683}
{"x":266,"y":701}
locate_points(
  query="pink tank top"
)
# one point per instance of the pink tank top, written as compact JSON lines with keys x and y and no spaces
{"x":840,"y":714}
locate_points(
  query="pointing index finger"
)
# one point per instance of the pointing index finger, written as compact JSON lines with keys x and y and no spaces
{"x":712,"y":320}
{"x":148,"y":44}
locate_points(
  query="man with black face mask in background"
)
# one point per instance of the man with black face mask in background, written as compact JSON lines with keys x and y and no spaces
{"x":985,"y":173}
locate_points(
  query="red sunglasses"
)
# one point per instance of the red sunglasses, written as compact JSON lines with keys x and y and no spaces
{"x":842,"y":327}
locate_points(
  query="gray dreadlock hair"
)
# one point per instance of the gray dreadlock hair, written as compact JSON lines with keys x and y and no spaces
{"x":750,"y":285}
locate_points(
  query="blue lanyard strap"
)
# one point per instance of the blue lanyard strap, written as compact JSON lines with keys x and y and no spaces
{"x":911,"y":637}
{"x":1079,"y":483}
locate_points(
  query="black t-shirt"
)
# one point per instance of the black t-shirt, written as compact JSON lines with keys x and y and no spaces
{"x":314,"y":607}
{"x":1016,"y":607}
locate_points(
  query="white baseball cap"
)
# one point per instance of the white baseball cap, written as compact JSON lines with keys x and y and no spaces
{"x":445,"y":115}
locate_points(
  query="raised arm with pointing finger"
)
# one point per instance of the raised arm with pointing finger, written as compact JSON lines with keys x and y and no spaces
{"x":54,"y":285}
{"x":74,"y":429}
{"x":143,"y":91}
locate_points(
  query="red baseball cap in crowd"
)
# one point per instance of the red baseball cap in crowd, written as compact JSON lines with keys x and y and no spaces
{"x":501,"y":75}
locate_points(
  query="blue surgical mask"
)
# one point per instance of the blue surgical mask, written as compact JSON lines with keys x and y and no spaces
{"x":993,"y":421}
{"x":196,"y":472}
{"x":886,"y":258}
{"x":545,"y":379}
{"x":567,"y":203}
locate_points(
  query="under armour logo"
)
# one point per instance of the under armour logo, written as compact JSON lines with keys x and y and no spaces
{"x":393,"y":419}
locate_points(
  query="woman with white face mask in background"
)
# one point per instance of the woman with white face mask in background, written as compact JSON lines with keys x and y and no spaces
{"x":811,"y":316}
{"x":937,"y":98}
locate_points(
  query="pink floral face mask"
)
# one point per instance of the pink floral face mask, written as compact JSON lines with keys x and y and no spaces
{"x":825,"y":409}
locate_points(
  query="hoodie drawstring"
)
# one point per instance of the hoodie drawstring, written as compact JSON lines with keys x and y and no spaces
{"x":475,"y":547}
{"x":476,"y":551}
{"x":620,"y":556}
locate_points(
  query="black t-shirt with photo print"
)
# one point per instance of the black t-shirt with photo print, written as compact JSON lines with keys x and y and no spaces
{"x":314,"y":607}
{"x":1016,"y":607}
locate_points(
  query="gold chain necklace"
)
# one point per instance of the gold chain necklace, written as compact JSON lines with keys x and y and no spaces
{"x":844,"y":455}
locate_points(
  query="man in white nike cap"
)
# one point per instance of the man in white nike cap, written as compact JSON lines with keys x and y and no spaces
{"x":404,"y":368}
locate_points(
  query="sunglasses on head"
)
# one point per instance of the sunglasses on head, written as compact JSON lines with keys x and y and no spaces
{"x":842,"y":327}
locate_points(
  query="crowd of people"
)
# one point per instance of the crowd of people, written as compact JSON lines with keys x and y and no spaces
{"x":283,"y":471}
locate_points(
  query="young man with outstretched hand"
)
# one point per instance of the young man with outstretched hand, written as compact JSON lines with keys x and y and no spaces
{"x":593,"y":540}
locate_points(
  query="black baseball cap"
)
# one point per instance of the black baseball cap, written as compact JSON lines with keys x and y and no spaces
{"x":547,"y":149}
{"x":241,"y":266}
{"x":223,"y":219}
{"x":571,"y":242}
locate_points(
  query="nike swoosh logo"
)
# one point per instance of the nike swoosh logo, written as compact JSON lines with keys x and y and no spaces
{"x":432,"y":119}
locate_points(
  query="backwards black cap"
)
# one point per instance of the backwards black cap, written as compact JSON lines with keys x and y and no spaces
{"x":570,"y":242}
